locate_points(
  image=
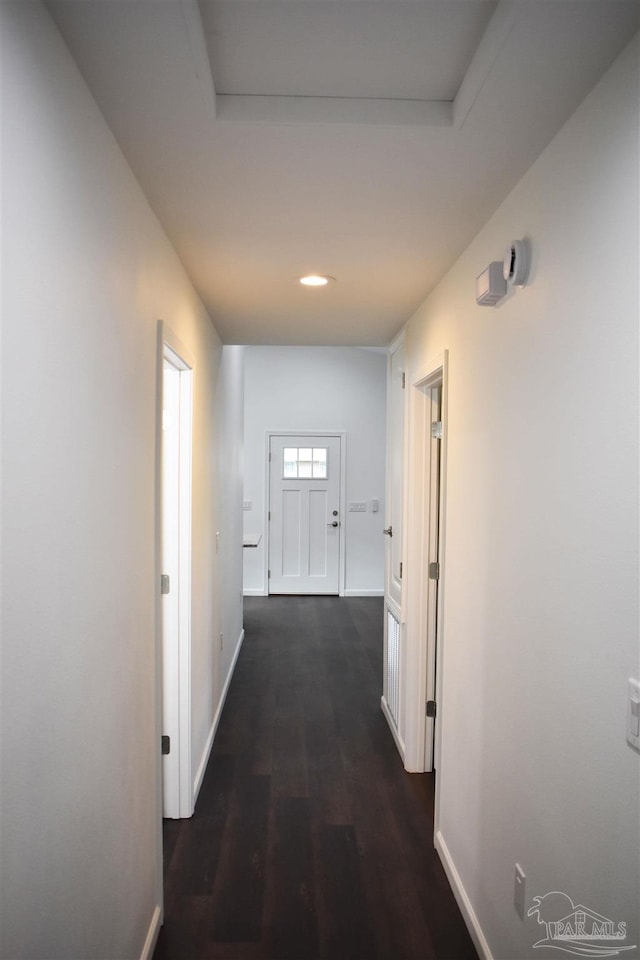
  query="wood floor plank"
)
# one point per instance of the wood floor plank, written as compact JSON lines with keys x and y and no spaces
{"x":345,"y":931}
{"x":309,"y":840}
{"x":290,"y":925}
{"x":197,"y":850}
{"x":237,"y":900}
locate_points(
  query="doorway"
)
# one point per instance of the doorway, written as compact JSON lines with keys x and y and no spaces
{"x":434,"y":400}
{"x":305,"y":537}
{"x":175,"y":520}
{"x":426,"y":560}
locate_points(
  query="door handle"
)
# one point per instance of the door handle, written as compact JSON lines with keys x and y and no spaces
{"x":334,"y":523}
{"x":388,"y":531}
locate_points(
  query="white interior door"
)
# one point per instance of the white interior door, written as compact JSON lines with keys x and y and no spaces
{"x":304,"y":514}
{"x":176,"y":584}
{"x":395,"y":476}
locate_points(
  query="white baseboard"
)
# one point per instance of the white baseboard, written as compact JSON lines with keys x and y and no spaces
{"x":468,"y":913}
{"x":152,"y":934}
{"x":254,"y":592}
{"x":363,"y":593}
{"x":394,"y":730}
{"x":206,"y":753}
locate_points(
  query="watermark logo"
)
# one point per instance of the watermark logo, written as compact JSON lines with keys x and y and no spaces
{"x":577,"y":929}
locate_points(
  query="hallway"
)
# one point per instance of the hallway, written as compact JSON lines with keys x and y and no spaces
{"x":309,"y":839}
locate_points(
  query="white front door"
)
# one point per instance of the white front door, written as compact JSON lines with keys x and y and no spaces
{"x":305,"y":514}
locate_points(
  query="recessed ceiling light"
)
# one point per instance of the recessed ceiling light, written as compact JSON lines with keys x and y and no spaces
{"x":313,"y":280}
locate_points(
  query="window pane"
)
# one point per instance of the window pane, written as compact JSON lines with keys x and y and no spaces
{"x":320,"y":462}
{"x":290,"y":463}
{"x":305,"y":459}
{"x":305,"y":463}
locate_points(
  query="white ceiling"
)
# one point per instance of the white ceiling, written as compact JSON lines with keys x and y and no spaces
{"x":364,"y":139}
{"x":368,"y":48}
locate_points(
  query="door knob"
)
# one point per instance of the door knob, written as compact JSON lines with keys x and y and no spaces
{"x":388,"y":530}
{"x":334,"y":523}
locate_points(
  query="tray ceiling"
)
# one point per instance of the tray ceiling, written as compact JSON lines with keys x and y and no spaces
{"x":368,"y":141}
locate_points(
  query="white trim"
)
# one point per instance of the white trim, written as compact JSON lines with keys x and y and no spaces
{"x":157,"y":756}
{"x":462,"y":899}
{"x":254,"y":592}
{"x":394,"y":730}
{"x":206,"y":753}
{"x":152,"y":934}
{"x":342,"y":435}
{"x":363,"y":593}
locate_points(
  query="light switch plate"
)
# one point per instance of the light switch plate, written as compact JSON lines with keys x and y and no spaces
{"x":633,"y":713}
{"x":247,"y":504}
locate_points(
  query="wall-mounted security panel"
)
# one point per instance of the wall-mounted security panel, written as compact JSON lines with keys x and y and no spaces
{"x":491,"y":285}
{"x":357,"y":506}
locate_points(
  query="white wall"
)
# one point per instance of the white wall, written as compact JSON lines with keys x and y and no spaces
{"x":320,"y":388}
{"x":541,"y":564}
{"x":87,"y":274}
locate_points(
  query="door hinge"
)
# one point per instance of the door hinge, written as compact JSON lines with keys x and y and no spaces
{"x":165,"y":583}
{"x":268,"y":574}
{"x":434,"y":571}
{"x":269,"y":458}
{"x":269,"y":515}
{"x":165,"y":742}
{"x":431,"y":708}
{"x":400,"y":577}
{"x":404,"y":380}
{"x":436,"y":429}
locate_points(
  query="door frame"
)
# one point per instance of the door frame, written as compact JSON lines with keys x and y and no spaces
{"x":170,"y":347}
{"x":342,"y":435}
{"x":424,"y":658}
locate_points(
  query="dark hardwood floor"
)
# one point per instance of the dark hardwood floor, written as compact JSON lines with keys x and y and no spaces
{"x":309,"y":840}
